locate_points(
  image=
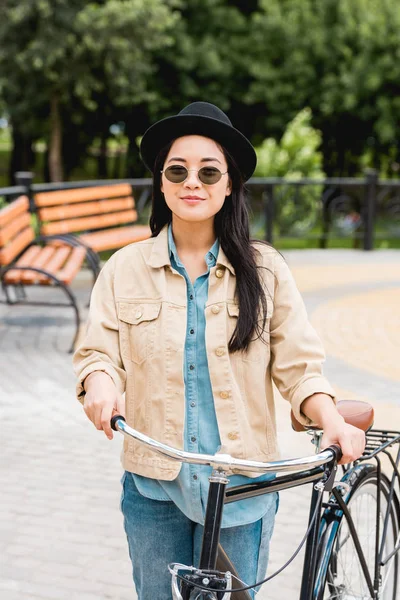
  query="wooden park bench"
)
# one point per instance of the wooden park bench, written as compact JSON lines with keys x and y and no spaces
{"x":26,"y":260}
{"x":101,"y":217}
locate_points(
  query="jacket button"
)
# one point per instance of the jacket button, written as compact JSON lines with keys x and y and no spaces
{"x":215,"y":309}
{"x":233,"y":435}
{"x":220,"y":351}
{"x":219,"y":273}
{"x":224,"y":394}
{"x":138,"y":314}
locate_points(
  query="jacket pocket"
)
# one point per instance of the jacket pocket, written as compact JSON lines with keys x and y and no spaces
{"x":259,"y":349}
{"x":138,"y":323}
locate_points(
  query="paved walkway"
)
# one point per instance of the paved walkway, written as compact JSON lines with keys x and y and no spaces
{"x":61,"y":534}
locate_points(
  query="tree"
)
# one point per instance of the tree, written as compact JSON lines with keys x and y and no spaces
{"x":338,"y":57}
{"x":53,"y":51}
{"x":203,"y":63}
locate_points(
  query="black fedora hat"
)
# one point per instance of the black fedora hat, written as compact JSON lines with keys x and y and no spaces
{"x":199,"y":118}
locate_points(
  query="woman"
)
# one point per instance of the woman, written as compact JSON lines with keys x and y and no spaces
{"x":194,"y":325}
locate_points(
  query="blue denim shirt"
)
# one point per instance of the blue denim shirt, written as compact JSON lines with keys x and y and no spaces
{"x":189,"y":490}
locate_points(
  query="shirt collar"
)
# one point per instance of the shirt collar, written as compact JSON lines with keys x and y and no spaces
{"x":160,"y":254}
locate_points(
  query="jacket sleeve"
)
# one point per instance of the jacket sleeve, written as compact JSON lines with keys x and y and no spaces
{"x":297,"y":354}
{"x":99,"y":349}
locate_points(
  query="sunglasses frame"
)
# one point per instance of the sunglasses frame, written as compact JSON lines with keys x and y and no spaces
{"x":197,"y":171}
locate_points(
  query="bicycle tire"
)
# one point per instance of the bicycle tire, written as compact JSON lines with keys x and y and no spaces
{"x":337,"y":577}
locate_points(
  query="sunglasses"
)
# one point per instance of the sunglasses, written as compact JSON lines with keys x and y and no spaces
{"x":179,"y":173}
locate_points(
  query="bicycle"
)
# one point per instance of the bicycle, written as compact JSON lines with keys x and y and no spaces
{"x":352,"y":539}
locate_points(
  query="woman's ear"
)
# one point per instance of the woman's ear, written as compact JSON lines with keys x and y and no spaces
{"x":229,"y":187}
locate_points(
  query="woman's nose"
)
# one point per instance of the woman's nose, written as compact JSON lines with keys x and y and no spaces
{"x":192,"y":180}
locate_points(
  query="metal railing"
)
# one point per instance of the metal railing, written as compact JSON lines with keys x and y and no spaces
{"x":363,"y":210}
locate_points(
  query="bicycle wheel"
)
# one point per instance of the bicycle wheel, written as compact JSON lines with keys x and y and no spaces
{"x":344,"y":578}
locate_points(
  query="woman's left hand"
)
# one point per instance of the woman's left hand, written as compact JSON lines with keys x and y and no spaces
{"x":349,"y":438}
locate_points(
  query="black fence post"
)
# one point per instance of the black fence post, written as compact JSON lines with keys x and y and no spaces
{"x":371,"y":177}
{"x":269,"y":212}
{"x":25,"y":178}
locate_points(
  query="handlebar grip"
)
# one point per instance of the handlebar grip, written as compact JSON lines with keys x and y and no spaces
{"x":337,"y":451}
{"x":115,"y":418}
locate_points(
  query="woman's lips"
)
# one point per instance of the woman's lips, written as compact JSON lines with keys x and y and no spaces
{"x":192,"y":199}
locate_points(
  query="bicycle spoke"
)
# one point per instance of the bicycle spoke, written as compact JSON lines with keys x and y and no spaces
{"x":346,"y":579}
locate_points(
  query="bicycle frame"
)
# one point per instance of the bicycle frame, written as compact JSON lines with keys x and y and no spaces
{"x":319,"y":470}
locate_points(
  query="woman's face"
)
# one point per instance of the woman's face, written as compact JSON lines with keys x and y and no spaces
{"x":192,"y":200}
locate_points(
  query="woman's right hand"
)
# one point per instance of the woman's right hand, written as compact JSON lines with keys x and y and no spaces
{"x":101,"y":398}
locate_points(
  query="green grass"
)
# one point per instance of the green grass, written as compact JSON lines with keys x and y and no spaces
{"x":304,"y":243}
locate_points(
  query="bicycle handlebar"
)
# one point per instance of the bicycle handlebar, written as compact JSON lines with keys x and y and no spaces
{"x":225,"y":461}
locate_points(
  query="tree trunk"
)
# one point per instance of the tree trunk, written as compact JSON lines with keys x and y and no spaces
{"x":117,"y":161}
{"x":22,"y":155}
{"x":102,"y":159}
{"x":55,"y":154}
{"x":136,"y":124}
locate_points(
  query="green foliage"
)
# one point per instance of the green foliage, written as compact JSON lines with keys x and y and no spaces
{"x":79,"y":48}
{"x":262,"y":61}
{"x":340,"y":58}
{"x":79,"y":58}
{"x":295,"y":157}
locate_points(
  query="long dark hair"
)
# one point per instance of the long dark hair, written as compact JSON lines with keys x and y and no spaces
{"x":231,"y":226}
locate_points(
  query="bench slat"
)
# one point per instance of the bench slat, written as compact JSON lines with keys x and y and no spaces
{"x":83,"y":194}
{"x":111,"y":239}
{"x":9,"y":252}
{"x":40,"y":262}
{"x":64,"y":263}
{"x":85,"y":223}
{"x":14,"y":209}
{"x":57,"y":213}
{"x":55,"y":263}
{"x":25,"y":260}
{"x":73,"y":265}
{"x":19,"y":223}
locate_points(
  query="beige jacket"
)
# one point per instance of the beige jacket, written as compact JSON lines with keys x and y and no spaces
{"x":136,"y":333}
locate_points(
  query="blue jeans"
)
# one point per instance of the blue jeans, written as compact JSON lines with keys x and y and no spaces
{"x":159,"y":533}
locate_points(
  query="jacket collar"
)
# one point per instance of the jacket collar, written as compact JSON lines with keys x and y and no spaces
{"x":159,"y":256}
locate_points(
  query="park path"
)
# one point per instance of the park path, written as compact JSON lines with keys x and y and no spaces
{"x":61,"y":534}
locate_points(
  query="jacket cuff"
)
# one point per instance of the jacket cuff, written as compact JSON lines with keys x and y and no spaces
{"x":99,"y":366}
{"x":316,"y":385}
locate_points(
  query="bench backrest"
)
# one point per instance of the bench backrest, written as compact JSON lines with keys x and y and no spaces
{"x":84,"y":209}
{"x":16,"y":231}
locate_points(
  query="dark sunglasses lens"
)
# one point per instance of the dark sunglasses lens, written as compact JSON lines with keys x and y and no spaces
{"x":209,"y":175}
{"x":176,"y":173}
